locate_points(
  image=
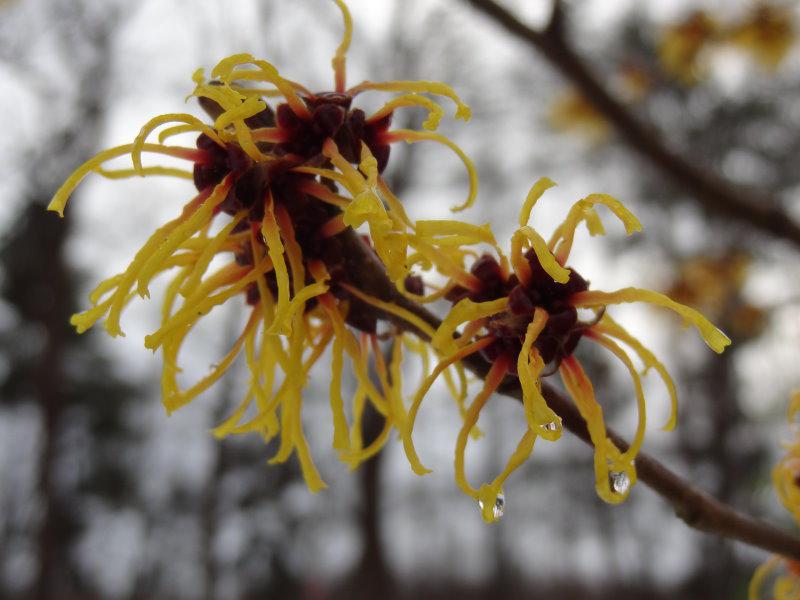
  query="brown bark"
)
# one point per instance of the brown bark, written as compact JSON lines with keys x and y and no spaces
{"x":48,"y":383}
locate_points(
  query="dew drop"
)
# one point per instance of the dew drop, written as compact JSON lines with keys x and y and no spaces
{"x":551,"y":426}
{"x":619,"y":482}
{"x":499,"y":506}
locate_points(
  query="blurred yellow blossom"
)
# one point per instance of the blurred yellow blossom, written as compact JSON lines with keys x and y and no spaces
{"x":713,"y":285}
{"x":573,"y":113}
{"x":767,"y":34}
{"x":682,"y":46}
{"x":278,"y":191}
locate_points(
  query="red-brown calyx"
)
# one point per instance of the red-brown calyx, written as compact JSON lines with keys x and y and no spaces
{"x":561,"y":333}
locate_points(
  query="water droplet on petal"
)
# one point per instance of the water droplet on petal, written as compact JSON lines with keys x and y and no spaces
{"x":551,"y":426}
{"x":619,"y":482}
{"x":499,"y":506}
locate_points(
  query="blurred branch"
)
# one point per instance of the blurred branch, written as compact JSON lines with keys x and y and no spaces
{"x":714,"y":193}
{"x":696,"y":508}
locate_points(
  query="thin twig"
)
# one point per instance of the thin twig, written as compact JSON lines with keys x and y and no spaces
{"x":696,"y":508}
{"x":714,"y":193}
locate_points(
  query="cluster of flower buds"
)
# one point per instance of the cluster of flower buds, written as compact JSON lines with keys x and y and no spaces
{"x":281,"y":193}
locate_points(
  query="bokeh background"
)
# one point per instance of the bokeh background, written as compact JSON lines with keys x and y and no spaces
{"x":103,"y":496}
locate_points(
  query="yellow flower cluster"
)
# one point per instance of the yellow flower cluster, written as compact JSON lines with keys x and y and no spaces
{"x":279,"y":194}
{"x":269,"y":249}
{"x":784,"y":573}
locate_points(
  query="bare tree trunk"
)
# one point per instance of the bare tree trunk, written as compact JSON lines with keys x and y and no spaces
{"x":49,"y":383}
{"x":372,"y":575}
{"x":51,"y":286}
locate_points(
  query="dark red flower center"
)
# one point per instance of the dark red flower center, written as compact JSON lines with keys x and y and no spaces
{"x":331,"y":117}
{"x":563,"y":330}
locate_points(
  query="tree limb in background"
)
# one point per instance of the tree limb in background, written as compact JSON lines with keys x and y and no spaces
{"x":711,"y":191}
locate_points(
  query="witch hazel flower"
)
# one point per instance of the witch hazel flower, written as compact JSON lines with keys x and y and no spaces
{"x":521,"y":314}
{"x":282,"y":176}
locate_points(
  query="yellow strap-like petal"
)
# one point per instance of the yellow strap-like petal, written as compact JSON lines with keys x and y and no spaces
{"x":616,"y":350}
{"x":435,"y":111}
{"x":561,"y":241}
{"x":418,"y":87}
{"x":476,"y":233}
{"x":180,"y":399}
{"x":536,"y":191}
{"x":543,"y":254}
{"x":191,"y":311}
{"x":540,"y":416}
{"x":144,"y":172}
{"x":208,"y":254}
{"x":755,"y":589}
{"x":606,"y":454}
{"x":609,"y":326}
{"x":715,"y":339}
{"x":152,"y":124}
{"x":407,"y":433}
{"x":393,"y":309}
{"x":410,"y":136}
{"x":341,"y":440}
{"x":63,"y":193}
{"x":493,"y":379}
{"x":465,"y":310}
{"x":196,"y":221}
{"x":272,"y":236}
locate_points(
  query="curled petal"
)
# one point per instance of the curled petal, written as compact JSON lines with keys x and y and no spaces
{"x":608,"y":326}
{"x":583,"y":210}
{"x":418,"y":87}
{"x":715,"y":339}
{"x":465,"y":310}
{"x":541,"y":417}
{"x":493,"y":379}
{"x":543,"y":254}
{"x":606,"y":455}
{"x":435,"y":111}
{"x":141,"y":138}
{"x":536,"y":191}
{"x":408,"y":430}
{"x":63,"y":193}
{"x":410,"y":136}
{"x":623,"y":357}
